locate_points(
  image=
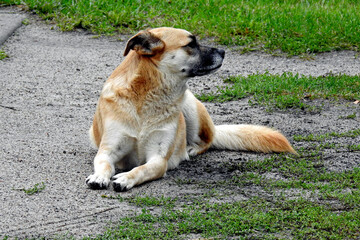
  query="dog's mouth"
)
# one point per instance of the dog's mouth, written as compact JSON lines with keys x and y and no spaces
{"x":205,"y":71}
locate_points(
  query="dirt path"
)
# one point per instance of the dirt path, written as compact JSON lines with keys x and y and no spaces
{"x":49,"y":88}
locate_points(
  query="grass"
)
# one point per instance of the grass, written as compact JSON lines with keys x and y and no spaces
{"x":294,"y":27}
{"x":287,"y":90}
{"x":255,"y":218}
{"x":321,"y":137}
{"x":350,"y":116}
{"x":38,"y":187}
{"x":308,"y":172}
{"x":144,"y":201}
{"x":3,"y":55}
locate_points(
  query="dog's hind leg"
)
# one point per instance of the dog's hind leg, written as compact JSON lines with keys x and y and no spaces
{"x":199,"y":126}
{"x":114,"y":146}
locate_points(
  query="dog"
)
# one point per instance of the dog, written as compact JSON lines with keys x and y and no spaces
{"x":147,"y":121}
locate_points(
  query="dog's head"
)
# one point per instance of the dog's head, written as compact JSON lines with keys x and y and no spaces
{"x":177,"y":51}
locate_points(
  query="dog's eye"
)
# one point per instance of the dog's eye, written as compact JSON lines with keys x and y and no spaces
{"x":192,"y":43}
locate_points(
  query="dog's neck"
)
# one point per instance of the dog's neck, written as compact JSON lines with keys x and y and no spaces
{"x":143,"y":80}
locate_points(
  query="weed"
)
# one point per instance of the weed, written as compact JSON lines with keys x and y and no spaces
{"x":3,"y":55}
{"x":26,"y":21}
{"x":38,"y":187}
{"x":118,"y":197}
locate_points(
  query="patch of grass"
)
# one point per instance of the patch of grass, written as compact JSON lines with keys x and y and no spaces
{"x":257,"y":218}
{"x":38,"y":187}
{"x":321,"y":137}
{"x":144,"y":201}
{"x":118,"y":197}
{"x":354,"y":148}
{"x":306,"y":172}
{"x":26,"y":21}
{"x":350,"y":116}
{"x":287,"y":90}
{"x":147,"y":201}
{"x":294,"y":27}
{"x":182,"y":181}
{"x":3,"y":55}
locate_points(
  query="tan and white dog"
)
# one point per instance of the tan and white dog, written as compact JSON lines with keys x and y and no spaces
{"x":147,"y":121}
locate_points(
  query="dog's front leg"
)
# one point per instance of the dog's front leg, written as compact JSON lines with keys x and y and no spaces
{"x":155,"y":168}
{"x":157,"y":149}
{"x":114,"y":146}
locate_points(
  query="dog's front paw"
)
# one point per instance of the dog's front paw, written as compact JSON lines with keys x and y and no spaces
{"x":123,"y":182}
{"x":97,"y":182}
{"x":193,"y":150}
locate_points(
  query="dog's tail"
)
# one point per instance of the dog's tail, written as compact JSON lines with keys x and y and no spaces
{"x":250,"y":138}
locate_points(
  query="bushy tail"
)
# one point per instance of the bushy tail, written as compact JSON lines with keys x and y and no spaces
{"x":251,"y":138}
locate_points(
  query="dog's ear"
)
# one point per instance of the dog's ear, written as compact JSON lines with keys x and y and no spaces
{"x":144,"y":43}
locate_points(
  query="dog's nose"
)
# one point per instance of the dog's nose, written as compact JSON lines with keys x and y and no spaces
{"x":221,"y":52}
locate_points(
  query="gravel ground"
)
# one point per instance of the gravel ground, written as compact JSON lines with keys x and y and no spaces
{"x":49,"y":88}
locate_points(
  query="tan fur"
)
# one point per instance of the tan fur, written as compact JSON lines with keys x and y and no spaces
{"x":206,"y":130}
{"x":252,"y":138}
{"x":134,"y":79}
{"x":147,"y":120}
{"x":95,"y":134}
{"x":173,"y":39}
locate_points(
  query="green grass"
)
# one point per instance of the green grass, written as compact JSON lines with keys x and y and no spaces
{"x":321,"y":137}
{"x":141,"y":201}
{"x":294,"y":27}
{"x":152,"y":201}
{"x":350,"y":116}
{"x":287,"y":90}
{"x":3,"y":55}
{"x":38,"y":187}
{"x":307,"y":172}
{"x":254,"y":218}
